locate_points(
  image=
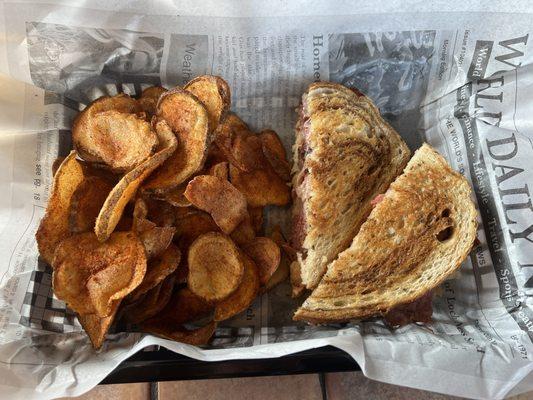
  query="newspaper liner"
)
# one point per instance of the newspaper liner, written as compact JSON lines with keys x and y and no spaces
{"x":463,"y":86}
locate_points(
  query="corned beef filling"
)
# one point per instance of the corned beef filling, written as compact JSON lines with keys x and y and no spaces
{"x":376,"y":200}
{"x":419,"y":310}
{"x":299,"y":192}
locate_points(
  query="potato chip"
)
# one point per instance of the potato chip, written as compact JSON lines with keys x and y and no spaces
{"x":256,"y":218}
{"x":280,"y":275}
{"x":55,"y":165}
{"x":90,"y":275}
{"x":245,"y":294}
{"x":219,"y":198}
{"x":118,"y":140}
{"x":149,"y":98}
{"x":184,"y":307}
{"x":157,"y":270}
{"x":261,"y":187}
{"x":239,"y":145}
{"x":140,"y":213}
{"x":97,"y":327}
{"x":182,"y":272}
{"x":156,"y":240}
{"x":296,"y":279}
{"x":54,"y":226}
{"x":160,"y":212}
{"x":86,"y":203}
{"x":275,"y":154}
{"x":188,"y":119}
{"x":127,"y":187}
{"x":282,"y":272}
{"x":215,"y":267}
{"x":247,"y":153}
{"x":176,"y":197}
{"x":192,"y":225}
{"x":214,"y":156}
{"x":110,"y":131}
{"x":220,"y":170}
{"x":214,"y":93}
{"x":266,"y":255}
{"x":168,"y":330}
{"x":151,"y":303}
{"x":244,"y":232}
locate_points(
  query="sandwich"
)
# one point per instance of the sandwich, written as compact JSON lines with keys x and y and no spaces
{"x":418,"y":233}
{"x":344,"y":155}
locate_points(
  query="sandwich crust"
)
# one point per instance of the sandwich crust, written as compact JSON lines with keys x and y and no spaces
{"x":345,"y":154}
{"x":415,"y":237}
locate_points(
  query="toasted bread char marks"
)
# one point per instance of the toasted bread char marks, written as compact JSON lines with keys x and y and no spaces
{"x":414,"y":238}
{"x":345,"y":154}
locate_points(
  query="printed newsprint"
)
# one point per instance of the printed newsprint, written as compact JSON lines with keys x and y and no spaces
{"x":461,"y":81}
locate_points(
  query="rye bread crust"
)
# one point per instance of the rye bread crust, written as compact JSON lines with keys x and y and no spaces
{"x":417,"y":236}
{"x":352,"y":155}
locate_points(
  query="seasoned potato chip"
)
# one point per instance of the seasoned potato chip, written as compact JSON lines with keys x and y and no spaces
{"x":90,"y":275}
{"x":266,"y":255}
{"x":97,"y":327}
{"x":282,"y":272}
{"x":149,"y":98}
{"x":256,"y":217}
{"x":214,"y":155}
{"x":275,"y":154}
{"x":156,"y":240}
{"x":157,"y":270}
{"x":86,"y":203}
{"x":160,"y":212}
{"x":176,"y":197}
{"x":149,"y":304}
{"x":127,"y":187}
{"x":244,"y":232}
{"x":191,"y":225}
{"x":215,"y":267}
{"x":171,"y":331}
{"x":118,"y":140}
{"x":261,"y":187}
{"x":220,"y":170}
{"x":239,"y":145}
{"x":214,"y":93}
{"x":140,"y":213}
{"x":184,"y":307}
{"x":110,"y":132}
{"x":280,"y":275}
{"x":54,"y":226}
{"x":296,"y":279}
{"x":245,"y":294}
{"x":182,"y":272}
{"x":219,"y":198}
{"x":188,"y":119}
{"x":55,"y":165}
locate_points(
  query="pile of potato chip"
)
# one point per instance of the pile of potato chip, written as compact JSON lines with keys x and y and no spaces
{"x":156,"y":217}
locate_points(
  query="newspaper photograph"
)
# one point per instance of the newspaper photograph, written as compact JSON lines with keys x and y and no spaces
{"x":460,"y":85}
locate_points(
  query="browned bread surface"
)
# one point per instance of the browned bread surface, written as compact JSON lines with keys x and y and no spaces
{"x":354,"y":155}
{"x":418,"y":235}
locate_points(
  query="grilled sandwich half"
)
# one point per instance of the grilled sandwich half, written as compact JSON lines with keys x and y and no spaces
{"x":344,"y":155}
{"x":418,"y":233}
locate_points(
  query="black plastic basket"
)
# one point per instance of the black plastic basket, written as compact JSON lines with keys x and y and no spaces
{"x":164,"y":365}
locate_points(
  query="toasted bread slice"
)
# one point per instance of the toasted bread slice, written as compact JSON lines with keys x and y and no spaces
{"x":417,"y":235}
{"x":345,"y":154}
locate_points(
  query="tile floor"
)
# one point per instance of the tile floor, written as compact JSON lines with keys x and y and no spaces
{"x":339,"y":386}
